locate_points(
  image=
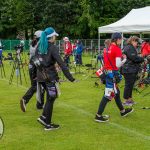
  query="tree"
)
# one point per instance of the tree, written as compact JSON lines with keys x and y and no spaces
{"x":72,"y":18}
{"x":7,"y":25}
{"x":62,"y":15}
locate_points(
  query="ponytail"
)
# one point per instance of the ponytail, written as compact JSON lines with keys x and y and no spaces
{"x":43,"y":43}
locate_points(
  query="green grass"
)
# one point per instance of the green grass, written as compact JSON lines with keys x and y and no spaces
{"x":74,"y":110}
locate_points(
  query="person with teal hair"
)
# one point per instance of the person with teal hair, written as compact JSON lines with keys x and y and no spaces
{"x":48,"y":55}
{"x":43,"y":43}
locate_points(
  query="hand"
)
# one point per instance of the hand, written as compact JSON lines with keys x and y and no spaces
{"x":124,"y":56}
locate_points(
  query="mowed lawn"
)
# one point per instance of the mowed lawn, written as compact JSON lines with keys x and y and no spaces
{"x":74,"y":110}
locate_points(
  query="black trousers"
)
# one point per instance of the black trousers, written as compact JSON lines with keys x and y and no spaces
{"x":67,"y":59}
{"x":51,"y":95}
{"x":28,"y":95}
{"x":33,"y":88}
{"x":105,"y":100}
{"x":130,"y":79}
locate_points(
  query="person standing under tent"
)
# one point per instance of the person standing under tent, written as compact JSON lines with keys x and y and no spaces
{"x":112,"y":61}
{"x":145,"y":48}
{"x":107,"y":43}
{"x":131,"y":68}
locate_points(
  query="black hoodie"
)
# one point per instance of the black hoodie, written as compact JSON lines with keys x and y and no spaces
{"x":48,"y":62}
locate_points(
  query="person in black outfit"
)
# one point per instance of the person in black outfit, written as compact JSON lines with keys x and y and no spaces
{"x":33,"y":77}
{"x":131,"y":68}
{"x":47,"y":56}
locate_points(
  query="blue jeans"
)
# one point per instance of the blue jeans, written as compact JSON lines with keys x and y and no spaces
{"x":78,"y":59}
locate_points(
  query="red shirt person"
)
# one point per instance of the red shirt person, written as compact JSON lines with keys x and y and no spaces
{"x":110,"y":56}
{"x":67,"y":46}
{"x":67,"y":50}
{"x":145,"y":48}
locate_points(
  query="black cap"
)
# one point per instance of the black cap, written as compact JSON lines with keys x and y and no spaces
{"x":116,"y":35}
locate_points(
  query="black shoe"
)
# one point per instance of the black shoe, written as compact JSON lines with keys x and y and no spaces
{"x":51,"y":127}
{"x":41,"y":120}
{"x":127,"y":111}
{"x":101,"y":119}
{"x":39,"y":107}
{"x":23,"y":105}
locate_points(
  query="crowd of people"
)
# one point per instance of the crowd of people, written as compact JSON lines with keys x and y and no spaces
{"x":116,"y":63}
{"x":44,"y":55}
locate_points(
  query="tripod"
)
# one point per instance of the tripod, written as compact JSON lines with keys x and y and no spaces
{"x":17,"y":65}
{"x":3,"y":75}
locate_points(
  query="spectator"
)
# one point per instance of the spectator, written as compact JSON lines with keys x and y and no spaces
{"x":100,"y":55}
{"x":131,"y":68}
{"x":79,"y":50}
{"x":67,"y":50}
{"x":145,"y":48}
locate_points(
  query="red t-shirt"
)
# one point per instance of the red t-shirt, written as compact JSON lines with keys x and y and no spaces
{"x":113,"y":52}
{"x":67,"y":48}
{"x":145,"y":49}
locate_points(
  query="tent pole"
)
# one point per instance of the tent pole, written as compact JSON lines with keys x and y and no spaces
{"x":140,"y":35}
{"x":122,"y":41}
{"x":99,"y":42}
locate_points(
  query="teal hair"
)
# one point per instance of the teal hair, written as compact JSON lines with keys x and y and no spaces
{"x":43,"y":43}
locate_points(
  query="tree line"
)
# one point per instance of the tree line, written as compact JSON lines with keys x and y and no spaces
{"x":72,"y":18}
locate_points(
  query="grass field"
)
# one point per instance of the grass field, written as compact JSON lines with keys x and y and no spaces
{"x":74,"y":110}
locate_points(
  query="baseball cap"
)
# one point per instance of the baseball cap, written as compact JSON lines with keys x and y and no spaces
{"x":116,"y":35}
{"x":50,"y":32}
{"x":38,"y":33}
{"x":66,"y":39}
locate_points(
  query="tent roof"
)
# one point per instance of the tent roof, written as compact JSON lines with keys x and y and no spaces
{"x":136,"y":21}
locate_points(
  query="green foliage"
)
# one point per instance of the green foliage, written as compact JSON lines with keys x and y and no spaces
{"x":61,"y":15}
{"x":73,"y":18}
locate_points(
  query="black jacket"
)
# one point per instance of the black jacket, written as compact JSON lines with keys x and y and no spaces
{"x":48,"y":62}
{"x":132,"y":65}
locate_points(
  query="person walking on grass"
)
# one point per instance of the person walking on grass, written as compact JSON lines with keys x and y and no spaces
{"x":33,"y":77}
{"x":48,"y":55}
{"x":112,"y":62}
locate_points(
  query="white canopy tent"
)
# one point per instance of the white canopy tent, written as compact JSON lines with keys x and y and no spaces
{"x":136,"y":21}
